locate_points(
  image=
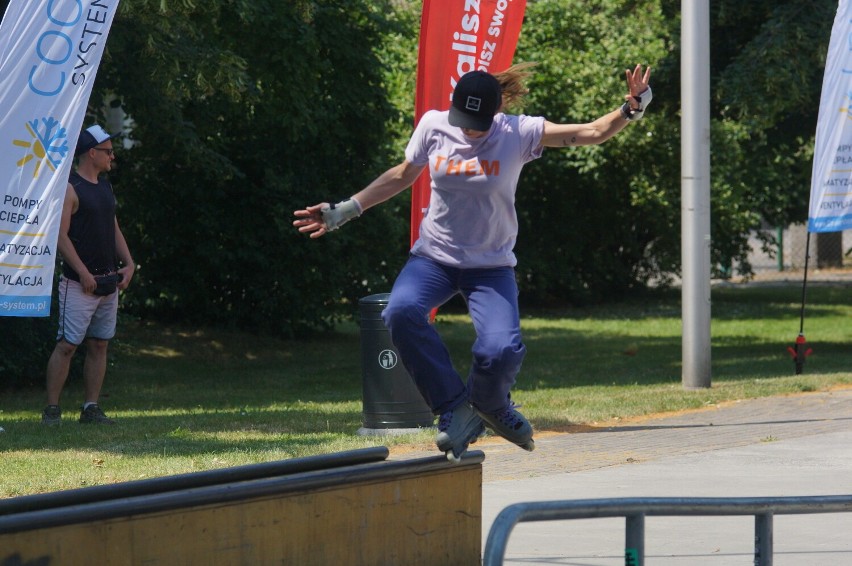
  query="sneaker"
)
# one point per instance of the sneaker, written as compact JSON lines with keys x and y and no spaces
{"x":511,"y":425}
{"x":94,"y":415}
{"x":52,"y":415}
{"x":457,"y":429}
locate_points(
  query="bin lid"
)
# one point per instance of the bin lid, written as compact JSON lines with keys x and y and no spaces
{"x":378,"y":298}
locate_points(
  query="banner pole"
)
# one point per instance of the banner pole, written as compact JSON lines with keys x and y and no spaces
{"x":805,"y":283}
{"x":800,"y":350}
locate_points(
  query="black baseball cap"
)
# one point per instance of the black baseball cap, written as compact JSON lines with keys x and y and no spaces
{"x":91,"y":137}
{"x":476,"y":99}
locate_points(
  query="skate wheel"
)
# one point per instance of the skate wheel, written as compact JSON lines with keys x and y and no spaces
{"x":451,"y":456}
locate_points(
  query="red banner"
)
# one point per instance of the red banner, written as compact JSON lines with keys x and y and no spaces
{"x":456,"y":37}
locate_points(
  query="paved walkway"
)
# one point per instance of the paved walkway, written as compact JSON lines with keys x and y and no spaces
{"x":798,"y":445}
{"x":786,"y":446}
{"x":744,"y":423}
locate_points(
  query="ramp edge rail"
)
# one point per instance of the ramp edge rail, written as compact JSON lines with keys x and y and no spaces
{"x":218,"y":494}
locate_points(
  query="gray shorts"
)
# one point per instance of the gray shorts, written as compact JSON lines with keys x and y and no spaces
{"x":82,"y":315}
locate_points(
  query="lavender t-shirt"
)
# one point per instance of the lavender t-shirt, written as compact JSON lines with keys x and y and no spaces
{"x":471,"y":220}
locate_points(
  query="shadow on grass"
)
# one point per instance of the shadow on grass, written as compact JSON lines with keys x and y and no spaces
{"x":728,"y":303}
{"x":200,"y":391}
{"x":657,"y":361}
{"x":193,"y":433}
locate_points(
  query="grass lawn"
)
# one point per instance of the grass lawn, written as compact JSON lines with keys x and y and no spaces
{"x":195,"y":399}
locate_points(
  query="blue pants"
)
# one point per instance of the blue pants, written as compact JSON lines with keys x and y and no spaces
{"x":492,"y":300}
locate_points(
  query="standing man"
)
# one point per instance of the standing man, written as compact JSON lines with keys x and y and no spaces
{"x":92,"y":248}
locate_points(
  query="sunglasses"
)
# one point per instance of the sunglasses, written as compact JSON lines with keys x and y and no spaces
{"x":110,"y":152}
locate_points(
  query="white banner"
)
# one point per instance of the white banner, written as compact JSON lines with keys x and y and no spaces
{"x":50,"y":51}
{"x":830,"y":207}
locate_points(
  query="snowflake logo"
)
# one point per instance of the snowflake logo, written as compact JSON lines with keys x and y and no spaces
{"x":47,"y":145}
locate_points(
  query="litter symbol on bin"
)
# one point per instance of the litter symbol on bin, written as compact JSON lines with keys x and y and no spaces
{"x":388,"y":359}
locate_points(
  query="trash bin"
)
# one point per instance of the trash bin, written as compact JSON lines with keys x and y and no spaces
{"x":391,"y":400}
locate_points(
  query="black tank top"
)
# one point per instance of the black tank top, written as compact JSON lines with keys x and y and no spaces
{"x":92,"y":229}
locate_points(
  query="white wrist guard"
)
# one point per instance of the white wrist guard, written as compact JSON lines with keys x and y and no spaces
{"x":643,"y":99}
{"x":337,"y":215}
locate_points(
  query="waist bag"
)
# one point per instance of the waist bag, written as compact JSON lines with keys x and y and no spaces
{"x":107,"y":284}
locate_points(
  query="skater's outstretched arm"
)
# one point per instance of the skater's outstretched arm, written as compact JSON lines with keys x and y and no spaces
{"x":600,"y":130}
{"x":320,"y":218}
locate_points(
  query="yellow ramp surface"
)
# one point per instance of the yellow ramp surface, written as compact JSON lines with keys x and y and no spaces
{"x":424,"y":511}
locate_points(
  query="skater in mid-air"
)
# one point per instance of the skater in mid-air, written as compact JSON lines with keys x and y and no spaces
{"x":474,"y":153}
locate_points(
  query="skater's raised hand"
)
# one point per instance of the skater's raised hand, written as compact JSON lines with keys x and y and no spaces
{"x":637,"y":84}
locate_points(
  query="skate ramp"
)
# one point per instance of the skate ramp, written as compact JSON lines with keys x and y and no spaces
{"x":347,"y":508}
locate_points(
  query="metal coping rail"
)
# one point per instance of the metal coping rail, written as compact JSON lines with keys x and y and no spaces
{"x":229,"y":492}
{"x":637,"y":508}
{"x":191,"y":480}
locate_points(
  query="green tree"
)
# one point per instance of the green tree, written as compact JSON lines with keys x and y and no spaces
{"x":600,"y":221}
{"x":596,"y":221}
{"x":768,"y":64}
{"x":245,"y":111}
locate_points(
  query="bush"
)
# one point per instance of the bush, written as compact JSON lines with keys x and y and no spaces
{"x":24,"y":350}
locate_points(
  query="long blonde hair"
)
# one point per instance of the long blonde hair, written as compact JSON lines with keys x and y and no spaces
{"x":512,"y":82}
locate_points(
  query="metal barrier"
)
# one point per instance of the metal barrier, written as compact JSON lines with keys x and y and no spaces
{"x":636,"y":509}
